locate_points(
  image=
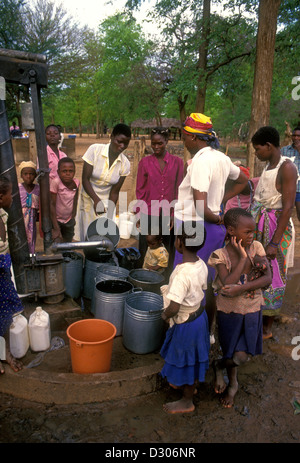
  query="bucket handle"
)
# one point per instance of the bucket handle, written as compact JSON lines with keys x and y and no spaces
{"x":156,"y":311}
{"x":137,"y":290}
{"x":78,"y":344}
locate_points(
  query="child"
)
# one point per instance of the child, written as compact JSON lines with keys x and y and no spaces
{"x":64,"y":194}
{"x":10,"y":303}
{"x":157,"y":257}
{"x":30,"y":198}
{"x":239,"y":317}
{"x":245,"y":198}
{"x":186,"y":347}
{"x":54,"y":154}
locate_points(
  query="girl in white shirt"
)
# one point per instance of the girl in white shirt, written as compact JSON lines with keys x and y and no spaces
{"x":186,"y":347}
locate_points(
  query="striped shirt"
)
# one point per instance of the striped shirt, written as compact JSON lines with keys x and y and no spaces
{"x":294,"y":154}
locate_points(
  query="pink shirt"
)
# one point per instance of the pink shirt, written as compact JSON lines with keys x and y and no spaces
{"x":53,"y":161}
{"x":156,"y":184}
{"x":64,"y":199}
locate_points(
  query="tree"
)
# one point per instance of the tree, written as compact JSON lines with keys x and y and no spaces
{"x":263,"y":74}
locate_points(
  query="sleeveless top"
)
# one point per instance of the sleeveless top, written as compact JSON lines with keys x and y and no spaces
{"x":266,"y":192}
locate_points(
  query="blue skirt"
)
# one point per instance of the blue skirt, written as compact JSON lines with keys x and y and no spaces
{"x":240,"y":333}
{"x":186,"y":352}
{"x":10,"y":303}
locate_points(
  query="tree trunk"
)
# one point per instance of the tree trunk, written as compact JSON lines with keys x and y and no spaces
{"x":263,"y":76}
{"x":181,"y":104}
{"x":202,"y":61}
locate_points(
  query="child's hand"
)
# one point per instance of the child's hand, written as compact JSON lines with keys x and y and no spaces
{"x":238,"y":246}
{"x":231,"y":290}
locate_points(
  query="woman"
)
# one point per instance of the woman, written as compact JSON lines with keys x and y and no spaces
{"x":272,"y":207}
{"x":104,"y":170}
{"x":202,"y":190}
{"x":158,"y":178}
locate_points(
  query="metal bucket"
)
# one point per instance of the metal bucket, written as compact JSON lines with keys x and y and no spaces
{"x":148,"y":280}
{"x":98,"y":229}
{"x":72,"y":273}
{"x":143,"y":327}
{"x":107,"y":272}
{"x":110,"y":298}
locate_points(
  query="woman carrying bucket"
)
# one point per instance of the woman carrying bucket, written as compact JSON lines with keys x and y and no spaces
{"x":104,"y":170}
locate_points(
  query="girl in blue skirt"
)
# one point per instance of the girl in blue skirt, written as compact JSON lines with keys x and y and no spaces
{"x":186,"y":347}
{"x":242,"y":270}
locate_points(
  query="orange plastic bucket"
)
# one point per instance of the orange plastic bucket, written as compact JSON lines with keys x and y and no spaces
{"x":91,"y":343}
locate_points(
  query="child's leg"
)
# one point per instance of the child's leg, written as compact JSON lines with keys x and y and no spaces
{"x":239,"y":358}
{"x":15,"y":364}
{"x":185,"y":404}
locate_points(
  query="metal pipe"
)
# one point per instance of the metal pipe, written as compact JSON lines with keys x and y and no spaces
{"x":16,"y":232}
{"x":23,"y":55}
{"x":43,"y":162}
{"x":102,"y":245}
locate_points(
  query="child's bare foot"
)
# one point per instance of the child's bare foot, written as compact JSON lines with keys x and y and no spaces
{"x":1,"y":368}
{"x":180,"y":406}
{"x":15,"y":364}
{"x":228,"y":399}
{"x":220,"y":384}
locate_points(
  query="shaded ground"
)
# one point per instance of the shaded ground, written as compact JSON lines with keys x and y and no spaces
{"x":263,"y":411}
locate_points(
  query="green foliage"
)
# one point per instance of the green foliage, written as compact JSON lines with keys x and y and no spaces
{"x":116,"y":73}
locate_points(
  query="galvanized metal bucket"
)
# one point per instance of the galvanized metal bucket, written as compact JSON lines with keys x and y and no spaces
{"x":109,"y":303}
{"x":73,"y":273}
{"x":107,"y":272}
{"x":143,"y":327}
{"x":148,"y":280}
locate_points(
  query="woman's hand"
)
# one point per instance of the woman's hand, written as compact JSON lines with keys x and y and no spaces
{"x":271,"y":252}
{"x":99,"y":207}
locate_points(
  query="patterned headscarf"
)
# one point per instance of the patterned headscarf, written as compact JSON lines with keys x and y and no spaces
{"x":201,"y":125}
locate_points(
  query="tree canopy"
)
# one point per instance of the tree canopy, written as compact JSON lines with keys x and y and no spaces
{"x":201,"y":57}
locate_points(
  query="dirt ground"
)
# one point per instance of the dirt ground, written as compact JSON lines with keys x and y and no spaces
{"x":264,"y":409}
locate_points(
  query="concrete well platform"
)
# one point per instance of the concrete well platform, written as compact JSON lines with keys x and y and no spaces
{"x":52,"y":381}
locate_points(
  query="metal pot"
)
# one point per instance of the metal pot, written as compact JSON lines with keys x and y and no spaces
{"x":148,"y":280}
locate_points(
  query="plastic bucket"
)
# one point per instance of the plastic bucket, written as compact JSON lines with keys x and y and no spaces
{"x":143,"y":327}
{"x":91,"y":343}
{"x":126,"y":227}
{"x":109,"y":300}
{"x":73,"y":273}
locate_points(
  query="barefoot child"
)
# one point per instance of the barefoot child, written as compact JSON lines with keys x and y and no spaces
{"x":157,"y":257}
{"x":186,"y":347}
{"x":64,"y":194}
{"x":239,"y":316}
{"x":10,"y":303}
{"x":30,"y":198}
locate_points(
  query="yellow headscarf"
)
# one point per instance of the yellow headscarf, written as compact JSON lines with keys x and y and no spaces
{"x":25,"y":164}
{"x":198,"y":123}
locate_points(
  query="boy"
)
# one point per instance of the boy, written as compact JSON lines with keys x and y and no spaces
{"x":157,"y":257}
{"x":63,"y":203}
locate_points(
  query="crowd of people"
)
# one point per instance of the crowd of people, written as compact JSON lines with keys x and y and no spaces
{"x":222,"y":240}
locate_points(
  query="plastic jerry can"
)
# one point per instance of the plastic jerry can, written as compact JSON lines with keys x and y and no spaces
{"x":18,"y":336}
{"x":39,"y":330}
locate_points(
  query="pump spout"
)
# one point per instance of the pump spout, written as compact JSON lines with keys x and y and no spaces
{"x":103,"y":244}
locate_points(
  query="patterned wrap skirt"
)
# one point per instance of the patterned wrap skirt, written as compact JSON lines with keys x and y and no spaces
{"x":266,"y":223}
{"x":10,"y":303}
